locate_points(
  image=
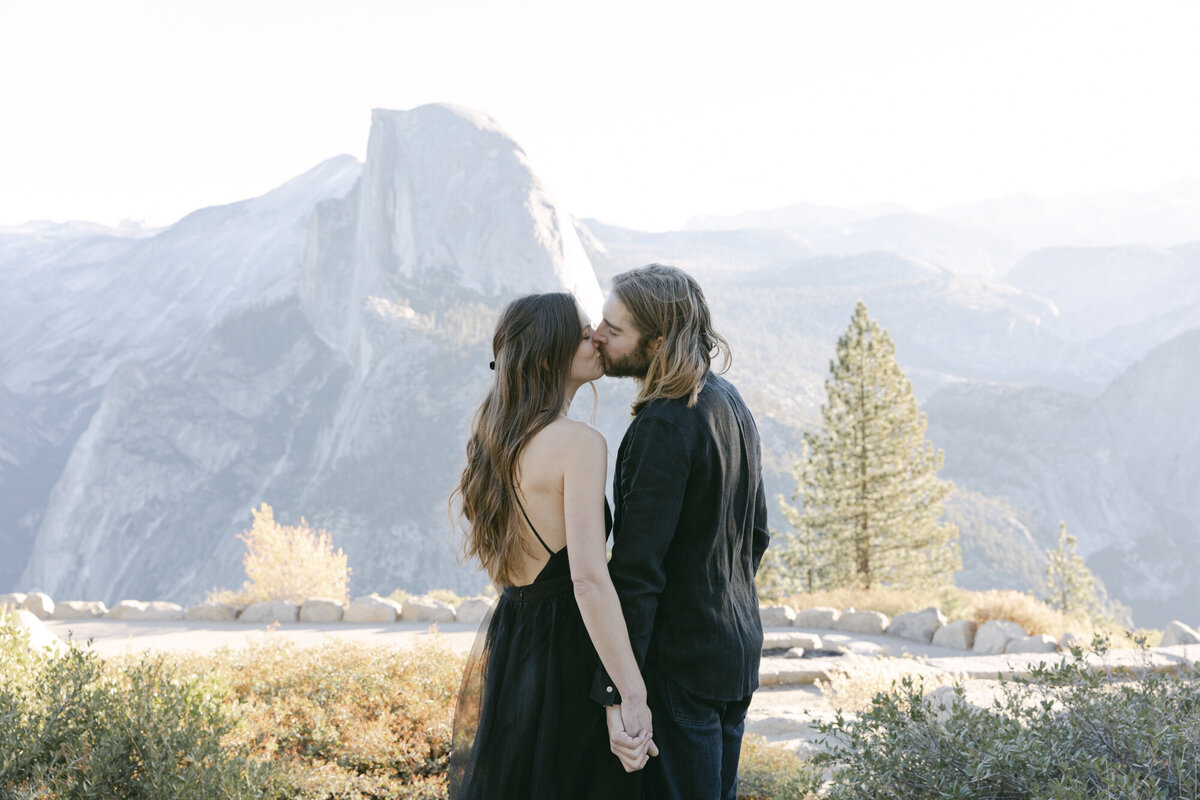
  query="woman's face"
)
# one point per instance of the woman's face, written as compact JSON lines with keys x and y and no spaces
{"x":587,"y":365}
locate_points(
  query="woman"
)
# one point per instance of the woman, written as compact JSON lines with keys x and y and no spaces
{"x":533,"y":495}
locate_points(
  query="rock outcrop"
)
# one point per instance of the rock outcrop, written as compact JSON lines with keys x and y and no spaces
{"x":919,"y":626}
{"x":869,"y":622}
{"x":819,"y":617}
{"x":992,"y":637}
{"x":270,"y":611}
{"x":335,"y":391}
{"x":372,"y":608}
{"x":1177,"y":632}
{"x":423,"y":608}
{"x":959,"y":634}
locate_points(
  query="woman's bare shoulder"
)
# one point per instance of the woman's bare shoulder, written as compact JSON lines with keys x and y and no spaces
{"x":570,"y":433}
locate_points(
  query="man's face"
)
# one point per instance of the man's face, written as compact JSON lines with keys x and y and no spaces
{"x":623,"y":347}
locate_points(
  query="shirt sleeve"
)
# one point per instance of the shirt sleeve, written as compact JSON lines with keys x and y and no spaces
{"x":654,"y":469}
{"x":762,"y":533}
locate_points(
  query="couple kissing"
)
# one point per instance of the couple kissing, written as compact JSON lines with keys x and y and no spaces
{"x":629,"y":677}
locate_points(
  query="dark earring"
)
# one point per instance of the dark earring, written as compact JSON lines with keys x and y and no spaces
{"x":492,"y":366}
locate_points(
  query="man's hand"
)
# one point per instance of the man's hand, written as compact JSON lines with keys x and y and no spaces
{"x":636,"y":719}
{"x":633,"y":750}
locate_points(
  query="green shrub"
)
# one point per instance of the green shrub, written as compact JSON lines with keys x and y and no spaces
{"x":1067,"y":733}
{"x":72,"y":726}
{"x":770,"y":772}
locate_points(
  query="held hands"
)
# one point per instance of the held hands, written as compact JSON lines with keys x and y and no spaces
{"x":630,"y":734}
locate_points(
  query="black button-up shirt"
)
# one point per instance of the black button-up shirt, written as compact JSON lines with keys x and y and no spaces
{"x":690,"y":528}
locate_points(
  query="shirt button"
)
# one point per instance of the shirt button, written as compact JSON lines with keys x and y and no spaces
{"x":608,"y":689}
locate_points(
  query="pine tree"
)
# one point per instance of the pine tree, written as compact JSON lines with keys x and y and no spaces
{"x":1070,"y":585}
{"x":868,"y":481}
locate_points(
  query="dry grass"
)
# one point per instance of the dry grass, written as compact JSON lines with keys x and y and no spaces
{"x":342,"y":720}
{"x":1028,"y":612}
{"x":1037,"y":617}
{"x":770,"y":772}
{"x":980,"y":607}
{"x":886,"y":600}
{"x":441,"y":595}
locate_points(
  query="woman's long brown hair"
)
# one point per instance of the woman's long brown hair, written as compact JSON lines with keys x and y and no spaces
{"x":535,"y":342}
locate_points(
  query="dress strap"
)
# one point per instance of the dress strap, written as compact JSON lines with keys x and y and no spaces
{"x":530,"y":524}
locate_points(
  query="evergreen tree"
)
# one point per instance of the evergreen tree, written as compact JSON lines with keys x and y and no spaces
{"x":791,"y":563}
{"x":868,"y":481}
{"x":1070,"y":585}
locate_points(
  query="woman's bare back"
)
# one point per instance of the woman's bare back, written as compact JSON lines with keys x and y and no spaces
{"x":540,"y":488}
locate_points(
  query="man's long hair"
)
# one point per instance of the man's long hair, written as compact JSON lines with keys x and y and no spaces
{"x":666,"y":301}
{"x":534,"y":345}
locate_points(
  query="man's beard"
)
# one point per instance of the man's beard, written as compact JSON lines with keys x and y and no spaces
{"x":632,"y":365}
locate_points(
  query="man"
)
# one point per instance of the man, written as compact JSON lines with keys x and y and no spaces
{"x":690,"y":528}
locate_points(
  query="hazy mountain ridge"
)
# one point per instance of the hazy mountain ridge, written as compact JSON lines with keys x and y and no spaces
{"x":1006,"y":375}
{"x":1162,"y":217}
{"x":987,"y":237}
{"x":343,"y":393}
{"x":79,"y":300}
{"x":1119,"y":467}
{"x":321,"y":348}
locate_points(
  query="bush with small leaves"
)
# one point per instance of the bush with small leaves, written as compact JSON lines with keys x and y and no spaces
{"x":73,"y":726}
{"x":1070,"y":731}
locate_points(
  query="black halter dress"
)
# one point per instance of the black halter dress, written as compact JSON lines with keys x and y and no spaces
{"x":524,"y":726}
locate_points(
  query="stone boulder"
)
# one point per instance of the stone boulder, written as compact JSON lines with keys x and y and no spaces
{"x":271,"y":611}
{"x":917,"y":626}
{"x":959,"y":634}
{"x":942,"y":702}
{"x":40,"y":637}
{"x":1038,"y":643}
{"x":776,"y":616}
{"x":473,"y":610}
{"x":423,"y":608}
{"x":992,"y":637}
{"x":79,"y":609}
{"x":320,"y":609}
{"x":211,"y":612}
{"x":872,"y":623}
{"x":153,"y":610}
{"x":819,"y":617}
{"x":371,"y":608}
{"x":778,"y":640}
{"x":1071,"y":639}
{"x":12,"y":601}
{"x":1178,"y":633}
{"x":39,"y":604}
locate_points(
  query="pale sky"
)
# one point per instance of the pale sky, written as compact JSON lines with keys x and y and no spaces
{"x":641,"y":114}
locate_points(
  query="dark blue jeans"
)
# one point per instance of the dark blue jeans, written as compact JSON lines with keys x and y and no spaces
{"x":699,"y":742}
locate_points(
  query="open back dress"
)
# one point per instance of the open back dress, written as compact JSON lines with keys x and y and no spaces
{"x":525,"y":727}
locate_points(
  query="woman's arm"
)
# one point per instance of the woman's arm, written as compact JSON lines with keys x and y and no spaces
{"x":586,"y":465}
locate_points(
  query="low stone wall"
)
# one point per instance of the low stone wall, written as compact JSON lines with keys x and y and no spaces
{"x":930,"y":626}
{"x":369,"y":608}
